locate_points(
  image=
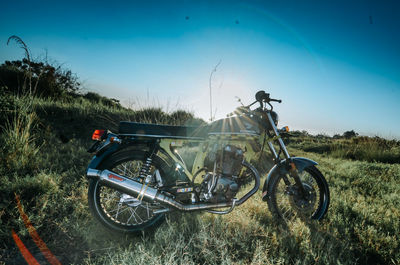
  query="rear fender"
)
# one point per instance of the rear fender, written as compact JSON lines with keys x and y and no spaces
{"x":99,"y":157}
{"x":281,"y":168}
{"x":112,"y":148}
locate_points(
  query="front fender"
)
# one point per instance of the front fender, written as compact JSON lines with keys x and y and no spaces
{"x":281,"y":168}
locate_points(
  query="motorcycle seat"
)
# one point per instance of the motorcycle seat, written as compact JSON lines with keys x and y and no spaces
{"x":161,"y":131}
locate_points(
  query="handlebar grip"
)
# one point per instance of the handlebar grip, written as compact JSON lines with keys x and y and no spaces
{"x":276,"y":100}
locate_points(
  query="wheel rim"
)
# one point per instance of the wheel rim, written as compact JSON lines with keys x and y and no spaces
{"x":123,"y":209}
{"x":289,"y":202}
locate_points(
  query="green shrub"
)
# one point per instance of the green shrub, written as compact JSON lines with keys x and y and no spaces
{"x":38,"y":78}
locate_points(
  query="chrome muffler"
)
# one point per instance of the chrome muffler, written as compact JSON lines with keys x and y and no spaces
{"x":123,"y":184}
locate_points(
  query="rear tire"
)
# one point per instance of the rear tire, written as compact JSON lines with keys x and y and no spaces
{"x":286,"y":203}
{"x":117,"y":211}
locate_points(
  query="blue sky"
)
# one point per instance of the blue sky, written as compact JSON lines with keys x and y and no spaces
{"x":335,"y":64}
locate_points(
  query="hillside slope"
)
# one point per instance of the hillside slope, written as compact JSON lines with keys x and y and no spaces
{"x":44,"y":159}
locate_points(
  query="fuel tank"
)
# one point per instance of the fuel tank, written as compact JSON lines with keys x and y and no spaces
{"x":235,"y":125}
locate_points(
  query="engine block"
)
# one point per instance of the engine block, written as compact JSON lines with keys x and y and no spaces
{"x":224,"y":166}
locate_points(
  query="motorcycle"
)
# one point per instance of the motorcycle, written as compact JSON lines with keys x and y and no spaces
{"x":137,"y":175}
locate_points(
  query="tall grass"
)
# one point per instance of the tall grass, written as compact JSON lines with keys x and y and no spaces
{"x":19,"y":148}
{"x":368,"y":149}
{"x":371,"y":149}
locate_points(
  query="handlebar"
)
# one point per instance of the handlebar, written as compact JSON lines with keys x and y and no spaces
{"x":261,"y":97}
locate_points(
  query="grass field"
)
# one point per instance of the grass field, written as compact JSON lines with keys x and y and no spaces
{"x":44,"y":160}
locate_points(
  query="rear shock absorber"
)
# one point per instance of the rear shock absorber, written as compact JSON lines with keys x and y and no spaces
{"x":145,"y":169}
{"x":145,"y":175}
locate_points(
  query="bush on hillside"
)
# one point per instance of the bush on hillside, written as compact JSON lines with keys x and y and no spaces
{"x":37,"y":78}
{"x":97,"y":98}
{"x":350,"y":134}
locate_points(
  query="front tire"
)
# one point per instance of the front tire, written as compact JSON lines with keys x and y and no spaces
{"x":118,"y":211}
{"x":287,"y":203}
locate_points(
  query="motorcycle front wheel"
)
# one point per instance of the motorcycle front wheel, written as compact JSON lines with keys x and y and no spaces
{"x":288,"y":203}
{"x":117,"y":211}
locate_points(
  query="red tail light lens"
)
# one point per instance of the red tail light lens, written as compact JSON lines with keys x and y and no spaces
{"x":98,"y":134}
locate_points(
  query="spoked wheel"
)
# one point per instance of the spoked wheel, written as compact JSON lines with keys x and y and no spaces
{"x":118,"y":211}
{"x":288,"y":203}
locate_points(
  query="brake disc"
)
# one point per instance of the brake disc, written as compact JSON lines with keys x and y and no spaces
{"x":303,"y":204}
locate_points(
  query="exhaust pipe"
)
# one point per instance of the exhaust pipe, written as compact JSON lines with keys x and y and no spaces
{"x":137,"y":189}
{"x":134,"y":188}
{"x":121,"y":183}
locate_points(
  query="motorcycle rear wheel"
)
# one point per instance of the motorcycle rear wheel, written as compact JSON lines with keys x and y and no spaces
{"x":117,"y":211}
{"x":287,"y":203}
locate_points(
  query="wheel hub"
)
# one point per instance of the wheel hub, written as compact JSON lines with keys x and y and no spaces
{"x":303,"y":203}
{"x":129,"y":200}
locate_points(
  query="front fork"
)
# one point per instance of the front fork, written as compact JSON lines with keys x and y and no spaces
{"x":293,"y":172}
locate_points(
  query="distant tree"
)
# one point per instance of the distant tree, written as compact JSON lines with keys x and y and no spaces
{"x":350,"y":134}
{"x":305,"y":133}
{"x":322,"y":136}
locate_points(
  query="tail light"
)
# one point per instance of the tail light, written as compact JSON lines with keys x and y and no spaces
{"x":98,"y":135}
